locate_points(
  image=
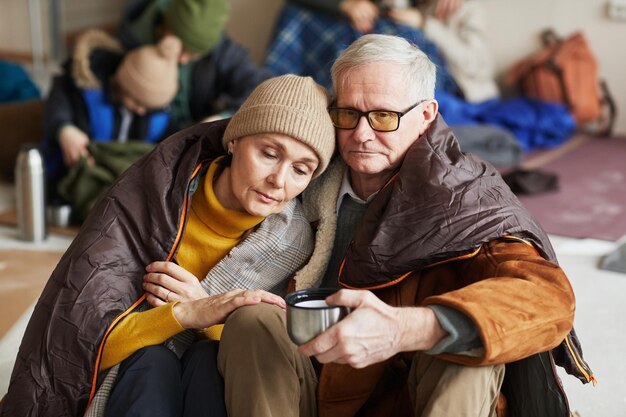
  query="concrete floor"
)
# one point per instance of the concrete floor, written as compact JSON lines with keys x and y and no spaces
{"x":600,"y":318}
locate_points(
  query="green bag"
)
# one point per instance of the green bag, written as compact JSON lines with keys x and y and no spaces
{"x":87,"y":180}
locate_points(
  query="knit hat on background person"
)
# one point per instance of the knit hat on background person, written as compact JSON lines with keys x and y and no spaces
{"x":292,"y":105}
{"x":150,"y":73}
{"x":198,"y":23}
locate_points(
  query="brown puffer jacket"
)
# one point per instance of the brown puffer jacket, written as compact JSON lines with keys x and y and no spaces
{"x":447,"y":230}
{"x":139,"y":220}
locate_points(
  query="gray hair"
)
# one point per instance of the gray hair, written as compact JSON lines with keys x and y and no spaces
{"x":418,"y":70}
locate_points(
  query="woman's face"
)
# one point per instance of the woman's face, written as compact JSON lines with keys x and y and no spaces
{"x":267,"y":171}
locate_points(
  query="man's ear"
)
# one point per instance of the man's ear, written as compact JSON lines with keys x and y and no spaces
{"x":429,"y":113}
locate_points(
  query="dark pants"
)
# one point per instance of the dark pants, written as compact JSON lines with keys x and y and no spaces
{"x":154,"y":382}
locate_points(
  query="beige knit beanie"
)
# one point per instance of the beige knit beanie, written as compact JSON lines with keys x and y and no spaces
{"x":150,"y":73}
{"x":292,"y":105}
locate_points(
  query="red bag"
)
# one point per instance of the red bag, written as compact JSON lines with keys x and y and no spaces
{"x":565,"y":71}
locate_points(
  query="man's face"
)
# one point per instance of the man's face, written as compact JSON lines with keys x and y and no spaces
{"x":378,"y":86}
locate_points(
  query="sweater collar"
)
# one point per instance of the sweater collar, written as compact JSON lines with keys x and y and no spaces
{"x":223,"y":221}
{"x":346,"y":188}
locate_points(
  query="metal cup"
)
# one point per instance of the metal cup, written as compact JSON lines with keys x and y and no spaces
{"x":308,"y":315}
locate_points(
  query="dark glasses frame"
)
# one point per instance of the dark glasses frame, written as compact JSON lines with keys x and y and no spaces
{"x":367,"y":116}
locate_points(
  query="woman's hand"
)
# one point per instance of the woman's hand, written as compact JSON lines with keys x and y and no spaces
{"x":211,"y":310}
{"x":166,"y":282}
{"x":410,"y":16}
{"x":362,"y":14}
{"x":73,"y":142}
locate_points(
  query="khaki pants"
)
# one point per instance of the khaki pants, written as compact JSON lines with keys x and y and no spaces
{"x":265,"y":376}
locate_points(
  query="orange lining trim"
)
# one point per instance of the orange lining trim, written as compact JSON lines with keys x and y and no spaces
{"x":519,"y":239}
{"x":136,"y":303}
{"x":376,"y":287}
{"x":392,"y":179}
{"x":101,"y":348}
{"x":591,"y":378}
{"x":458,"y":258}
{"x":401,"y":278}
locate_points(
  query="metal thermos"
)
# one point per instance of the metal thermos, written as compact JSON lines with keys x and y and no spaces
{"x":30,"y":195}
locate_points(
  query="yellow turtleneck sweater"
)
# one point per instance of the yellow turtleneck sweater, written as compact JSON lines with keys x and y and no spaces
{"x":210,"y":233}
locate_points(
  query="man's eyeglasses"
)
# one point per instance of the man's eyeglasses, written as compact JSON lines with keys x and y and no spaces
{"x":379,"y":120}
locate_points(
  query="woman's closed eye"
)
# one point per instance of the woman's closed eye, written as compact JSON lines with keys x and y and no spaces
{"x":301,"y":170}
{"x":270,"y":154}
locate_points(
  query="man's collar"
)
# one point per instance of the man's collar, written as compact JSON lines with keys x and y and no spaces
{"x":346,"y":188}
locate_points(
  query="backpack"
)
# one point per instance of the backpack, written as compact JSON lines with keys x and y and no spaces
{"x":565,"y":71}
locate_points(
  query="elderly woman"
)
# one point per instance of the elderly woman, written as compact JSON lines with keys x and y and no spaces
{"x":216,"y":233}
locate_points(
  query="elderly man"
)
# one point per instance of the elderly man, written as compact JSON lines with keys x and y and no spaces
{"x":458,"y":305}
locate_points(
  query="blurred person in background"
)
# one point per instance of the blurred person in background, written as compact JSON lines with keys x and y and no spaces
{"x":215,"y":73}
{"x":461,"y":36}
{"x":106,"y":97}
{"x":310,"y":34}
